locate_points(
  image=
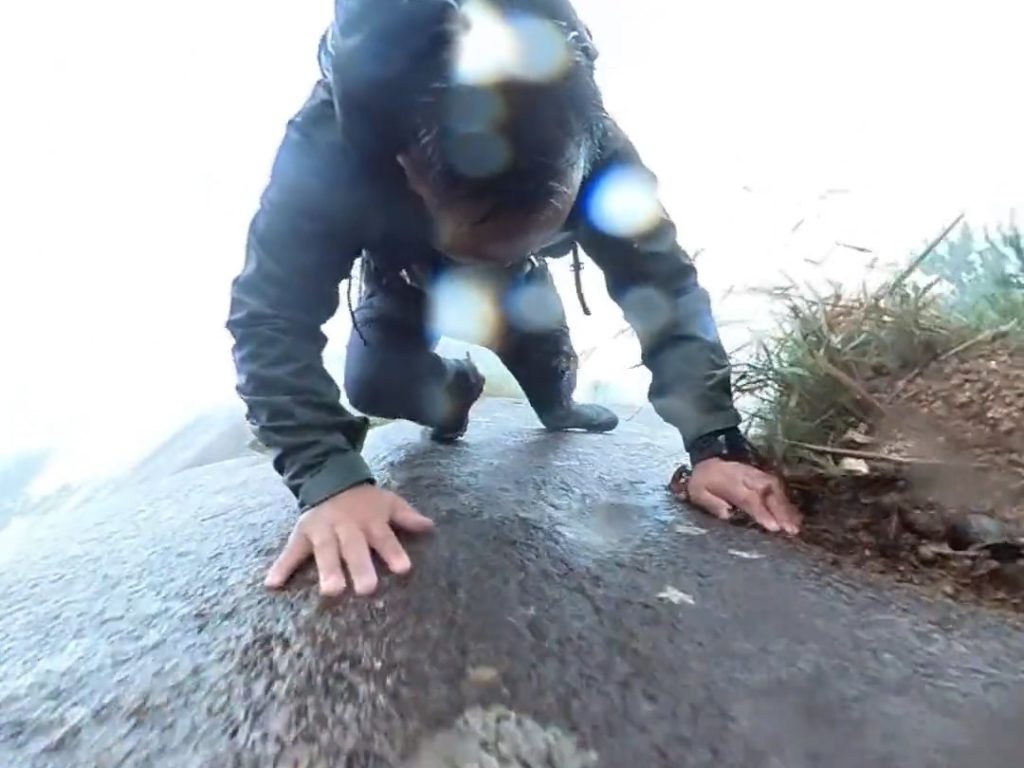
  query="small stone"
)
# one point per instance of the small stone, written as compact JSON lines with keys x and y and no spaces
{"x":676,"y":597}
{"x":688,"y":529}
{"x":852,"y":466}
{"x":746,"y":555}
{"x":949,"y":590}
{"x":483,"y":675}
{"x":857,"y":437}
{"x":926,"y":555}
{"x":976,"y":530}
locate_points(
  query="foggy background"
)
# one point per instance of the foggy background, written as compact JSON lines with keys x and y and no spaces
{"x":136,"y":139}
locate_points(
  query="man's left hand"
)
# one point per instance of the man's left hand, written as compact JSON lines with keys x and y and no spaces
{"x":721,"y":487}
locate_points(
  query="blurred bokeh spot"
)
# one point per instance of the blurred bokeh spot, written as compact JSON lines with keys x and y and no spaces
{"x":533,"y":308}
{"x":649,"y":310}
{"x":463,"y":306}
{"x":495,"y":47}
{"x":623,"y":201}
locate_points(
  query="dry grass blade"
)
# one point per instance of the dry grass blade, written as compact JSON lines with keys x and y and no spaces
{"x":981,"y":338}
{"x":854,"y":453}
{"x":903,"y":276}
{"x":862,"y":395}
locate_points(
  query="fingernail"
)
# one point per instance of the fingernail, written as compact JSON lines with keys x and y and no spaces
{"x":366,"y":588}
{"x":332,"y":586}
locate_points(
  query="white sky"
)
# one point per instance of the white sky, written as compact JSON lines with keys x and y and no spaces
{"x":137,"y":138}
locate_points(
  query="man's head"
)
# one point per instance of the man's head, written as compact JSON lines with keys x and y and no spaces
{"x":503,"y":139}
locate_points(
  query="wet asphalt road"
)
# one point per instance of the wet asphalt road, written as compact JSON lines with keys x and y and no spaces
{"x":563,"y":585}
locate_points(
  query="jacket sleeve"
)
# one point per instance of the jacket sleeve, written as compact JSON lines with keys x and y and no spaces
{"x":301,"y":246}
{"x":655,"y":283}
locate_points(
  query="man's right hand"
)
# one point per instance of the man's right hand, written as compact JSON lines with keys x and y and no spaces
{"x":346,"y":527}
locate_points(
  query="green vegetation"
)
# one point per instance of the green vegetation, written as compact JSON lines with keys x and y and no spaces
{"x":836,"y":360}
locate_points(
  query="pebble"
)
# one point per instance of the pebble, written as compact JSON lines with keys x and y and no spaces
{"x":926,"y":555}
{"x":483,"y":675}
{"x":688,"y":529}
{"x":976,"y":529}
{"x":746,"y":555}
{"x":676,"y":597}
{"x":853,"y":466}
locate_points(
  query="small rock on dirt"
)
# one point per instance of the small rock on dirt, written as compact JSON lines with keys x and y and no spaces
{"x":483,"y":675}
{"x":926,"y":555}
{"x":976,"y":530}
{"x":852,"y":466}
{"x":676,"y":597}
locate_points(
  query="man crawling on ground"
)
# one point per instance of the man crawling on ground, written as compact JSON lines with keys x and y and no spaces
{"x":433,"y":151}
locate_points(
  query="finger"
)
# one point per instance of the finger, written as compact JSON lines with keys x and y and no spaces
{"x":328,"y":564}
{"x":407,"y":518}
{"x":753,"y":504}
{"x":356,"y":552}
{"x":775,"y":500}
{"x":712,"y":504}
{"x":295,"y":553}
{"x":783,"y":509}
{"x":383,"y":540}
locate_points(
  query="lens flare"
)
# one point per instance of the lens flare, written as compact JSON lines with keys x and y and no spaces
{"x":623,"y":201}
{"x":493,"y":47}
{"x":438,"y":403}
{"x":542,"y":51}
{"x":479,"y":154}
{"x":465,"y":307}
{"x":648,"y":310}
{"x":533,"y":308}
{"x":488,"y":46}
{"x":474,"y":109}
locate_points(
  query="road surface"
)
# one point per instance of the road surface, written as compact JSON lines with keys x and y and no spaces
{"x":566,"y":613}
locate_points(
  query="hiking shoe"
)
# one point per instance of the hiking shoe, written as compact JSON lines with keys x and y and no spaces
{"x":586,"y":417}
{"x":465,"y":388}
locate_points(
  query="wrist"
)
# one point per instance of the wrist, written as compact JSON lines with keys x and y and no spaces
{"x":727,"y":445}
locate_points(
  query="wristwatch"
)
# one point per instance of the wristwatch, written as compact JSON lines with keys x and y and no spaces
{"x":727,"y":444}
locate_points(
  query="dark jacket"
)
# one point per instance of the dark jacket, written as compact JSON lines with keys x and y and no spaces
{"x":336,"y":193}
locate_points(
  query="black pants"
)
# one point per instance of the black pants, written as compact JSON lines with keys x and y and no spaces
{"x":393,"y":372}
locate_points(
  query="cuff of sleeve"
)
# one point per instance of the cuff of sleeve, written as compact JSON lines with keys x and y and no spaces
{"x":729,"y":444}
{"x":339,"y":473}
{"x":708,"y":424}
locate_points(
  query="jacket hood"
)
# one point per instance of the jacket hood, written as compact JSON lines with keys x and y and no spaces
{"x":381,"y":56}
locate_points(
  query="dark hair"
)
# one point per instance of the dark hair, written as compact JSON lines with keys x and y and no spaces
{"x":541,"y":132}
{"x":513,"y":140}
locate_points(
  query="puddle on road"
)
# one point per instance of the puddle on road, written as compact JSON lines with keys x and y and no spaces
{"x":610,"y":526}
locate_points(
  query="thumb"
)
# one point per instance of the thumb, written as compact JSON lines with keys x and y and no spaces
{"x":712,"y":504}
{"x":407,"y":518}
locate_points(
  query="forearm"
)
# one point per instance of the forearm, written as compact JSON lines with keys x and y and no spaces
{"x":279,"y":304}
{"x":658,"y":291}
{"x":294,"y":405}
{"x":655,"y":282}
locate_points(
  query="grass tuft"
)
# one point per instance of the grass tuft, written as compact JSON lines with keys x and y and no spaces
{"x":836,"y":360}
